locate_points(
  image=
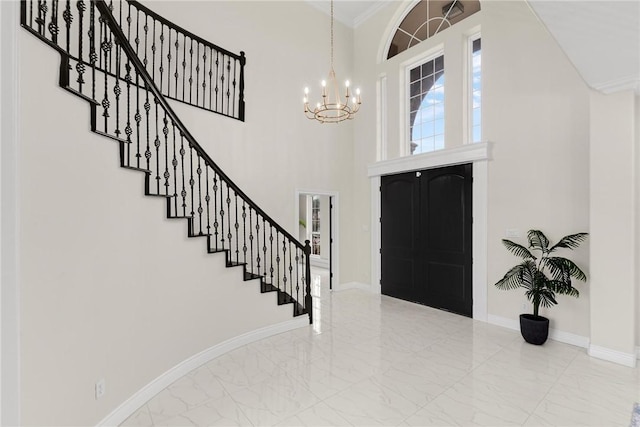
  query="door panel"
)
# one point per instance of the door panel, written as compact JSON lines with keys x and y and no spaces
{"x":426,"y":237}
{"x":400,"y":236}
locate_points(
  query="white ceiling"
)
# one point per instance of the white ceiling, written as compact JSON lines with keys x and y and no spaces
{"x":600,"y":37}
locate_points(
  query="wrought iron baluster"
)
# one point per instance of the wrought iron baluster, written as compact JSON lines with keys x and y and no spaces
{"x":222,"y":233}
{"x":217,"y":70}
{"x":147,"y":109}
{"x":284,"y":265}
{"x":197,"y":73}
{"x":31,"y":13}
{"x":161,"y":59}
{"x":137,"y":39}
{"x":271,"y":269}
{"x":191,"y":180}
{"x":41,"y":20}
{"x":233,"y":100}
{"x":251,"y":237}
{"x":169,"y":59}
{"x":106,"y":47}
{"x":215,"y":209}
{"x":116,"y":88}
{"x":258,"y":243}
{"x":68,"y":19}
{"x":145,"y":60}
{"x":229,"y":235}
{"x":153,"y":53}
{"x":156,"y":144}
{"x":290,"y":271}
{"x":165,"y":132}
{"x":93,"y":56}
{"x":264,"y":247}
{"x":200,"y":210}
{"x":174,"y":163}
{"x":243,"y":61}
{"x":228,"y":84}
{"x":138,"y":119}
{"x":244,"y":233}
{"x":53,"y":24}
{"x":190,"y":73}
{"x":183,"y":193}
{"x":177,"y":74}
{"x":204,"y":76}
{"x":211,"y":79}
{"x":207,"y":199}
{"x":184,"y":66}
{"x":237,"y":226}
{"x":297,"y":259}
{"x":222,"y":78}
{"x":128,"y":130}
{"x":278,"y":258}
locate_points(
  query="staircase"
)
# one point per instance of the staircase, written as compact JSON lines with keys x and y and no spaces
{"x":126,"y":61}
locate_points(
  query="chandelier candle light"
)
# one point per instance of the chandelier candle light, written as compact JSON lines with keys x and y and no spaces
{"x":330,"y":109}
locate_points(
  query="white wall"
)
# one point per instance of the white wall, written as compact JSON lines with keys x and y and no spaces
{"x":535,"y":111}
{"x":613,"y":219}
{"x":111,"y":289}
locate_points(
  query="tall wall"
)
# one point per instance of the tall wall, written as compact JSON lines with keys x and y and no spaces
{"x":109,"y":288}
{"x":536,"y":114}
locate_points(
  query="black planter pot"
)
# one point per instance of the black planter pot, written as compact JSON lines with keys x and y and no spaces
{"x":534,"y":329}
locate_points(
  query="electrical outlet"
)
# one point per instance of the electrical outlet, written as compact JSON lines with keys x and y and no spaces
{"x":101,"y":388}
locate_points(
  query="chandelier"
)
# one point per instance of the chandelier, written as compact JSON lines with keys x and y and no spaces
{"x":330,"y":109}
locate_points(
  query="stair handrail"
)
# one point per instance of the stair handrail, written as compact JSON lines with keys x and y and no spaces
{"x":123,"y":42}
{"x":178,"y":28}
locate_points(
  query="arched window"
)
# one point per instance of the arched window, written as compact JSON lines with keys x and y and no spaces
{"x":427,"y":18}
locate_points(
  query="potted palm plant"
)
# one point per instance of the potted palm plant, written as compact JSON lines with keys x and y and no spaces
{"x":542,"y":277}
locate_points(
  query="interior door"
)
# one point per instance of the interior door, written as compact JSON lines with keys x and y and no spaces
{"x":400,"y":235}
{"x":426,"y":237}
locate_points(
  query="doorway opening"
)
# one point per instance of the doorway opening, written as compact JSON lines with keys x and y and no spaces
{"x":316,"y":216}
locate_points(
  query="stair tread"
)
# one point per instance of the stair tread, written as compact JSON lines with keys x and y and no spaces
{"x":134,"y":168}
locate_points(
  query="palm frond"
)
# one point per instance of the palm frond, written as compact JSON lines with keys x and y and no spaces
{"x":519,"y":276}
{"x":545,"y":297}
{"x":563,"y":288}
{"x":518,"y":250}
{"x":537,"y":240}
{"x":571,"y":241}
{"x":562,"y":268}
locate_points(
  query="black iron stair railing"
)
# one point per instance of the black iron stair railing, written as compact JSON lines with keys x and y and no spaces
{"x":184,"y":66}
{"x":128,"y":107}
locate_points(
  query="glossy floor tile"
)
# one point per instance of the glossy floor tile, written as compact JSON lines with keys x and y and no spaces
{"x":371,"y":360}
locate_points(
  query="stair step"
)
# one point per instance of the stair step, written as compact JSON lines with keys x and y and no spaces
{"x":216,"y":251}
{"x":198,"y":234}
{"x":159,"y":195}
{"x":298,"y":310}
{"x":133,"y":168}
{"x":284,"y":298}
{"x":267,"y":287}
{"x":179,"y":217}
{"x":236,"y":264}
{"x":251,"y":276}
{"x":107,"y":135}
{"x":80,"y":95}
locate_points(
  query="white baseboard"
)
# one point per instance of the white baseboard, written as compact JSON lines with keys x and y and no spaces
{"x":626,"y":359}
{"x":131,"y":405}
{"x":351,"y":285}
{"x":554,"y":334}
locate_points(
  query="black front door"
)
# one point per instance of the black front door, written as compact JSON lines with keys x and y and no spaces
{"x":426,"y":237}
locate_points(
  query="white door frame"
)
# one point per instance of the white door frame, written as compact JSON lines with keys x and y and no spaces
{"x":477,"y":154}
{"x":335,"y":258}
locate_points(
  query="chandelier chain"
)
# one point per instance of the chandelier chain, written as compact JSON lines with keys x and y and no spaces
{"x":332,"y":34}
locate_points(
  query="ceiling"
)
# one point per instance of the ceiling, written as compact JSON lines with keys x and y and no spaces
{"x":600,"y":37}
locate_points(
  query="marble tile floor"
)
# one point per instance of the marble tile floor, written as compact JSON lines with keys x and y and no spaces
{"x":371,"y":360}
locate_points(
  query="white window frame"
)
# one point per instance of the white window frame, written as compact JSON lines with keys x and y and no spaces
{"x":405,"y":138}
{"x":468,"y":120}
